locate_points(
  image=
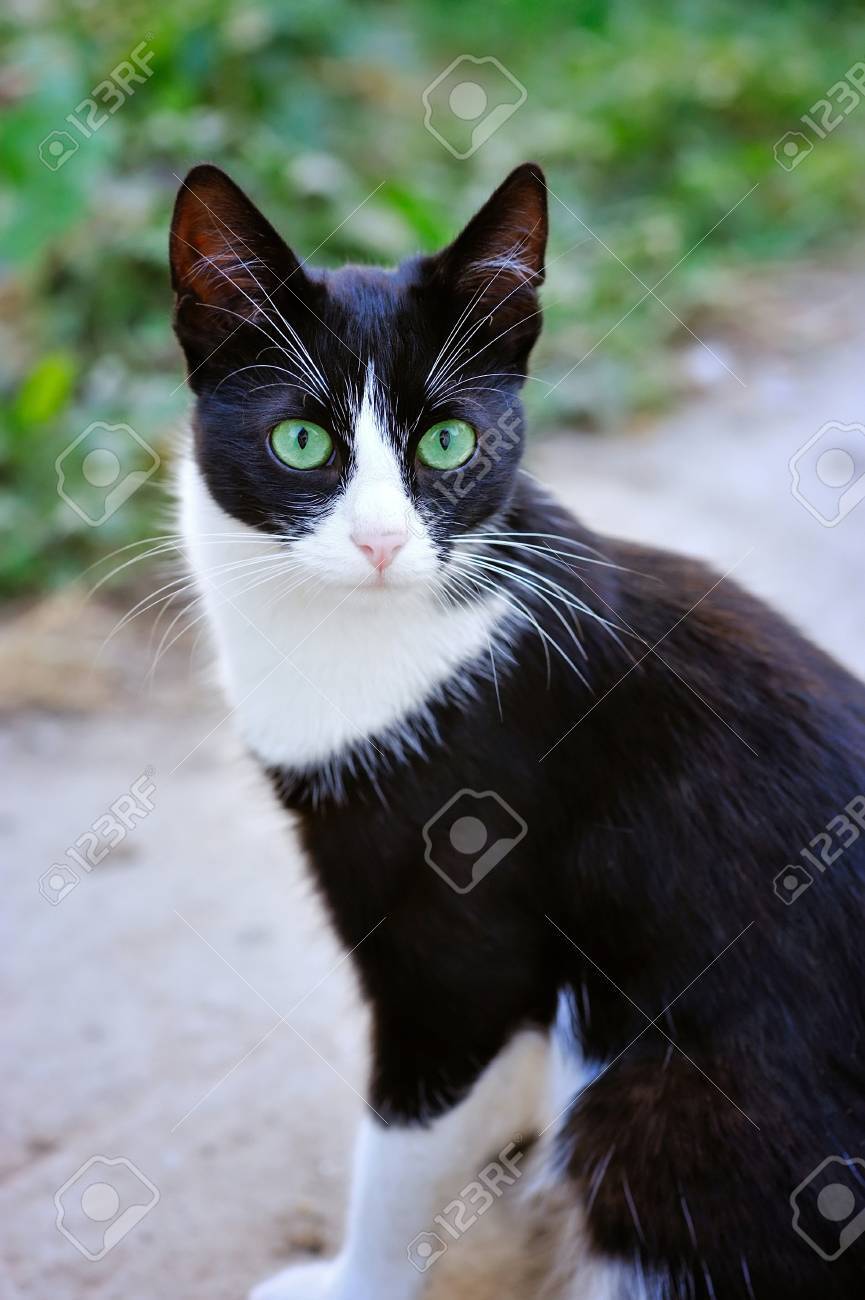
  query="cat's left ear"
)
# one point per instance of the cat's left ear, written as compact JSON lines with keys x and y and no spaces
{"x":500,"y":254}
{"x":227,"y":263}
{"x":223,"y":251}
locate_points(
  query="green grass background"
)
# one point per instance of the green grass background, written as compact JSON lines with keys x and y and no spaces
{"x":651,"y":120}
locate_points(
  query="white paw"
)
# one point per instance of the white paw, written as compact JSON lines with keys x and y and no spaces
{"x":315,"y":1281}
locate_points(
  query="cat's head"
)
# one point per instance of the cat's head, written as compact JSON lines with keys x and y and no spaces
{"x":365,"y":416}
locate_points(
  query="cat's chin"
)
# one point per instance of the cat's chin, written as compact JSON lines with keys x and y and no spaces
{"x":379,"y":589}
{"x":372,"y":588}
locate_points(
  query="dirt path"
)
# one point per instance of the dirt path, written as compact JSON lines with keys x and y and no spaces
{"x":147,"y":1006}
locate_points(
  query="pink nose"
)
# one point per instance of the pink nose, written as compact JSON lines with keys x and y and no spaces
{"x":379,"y":548}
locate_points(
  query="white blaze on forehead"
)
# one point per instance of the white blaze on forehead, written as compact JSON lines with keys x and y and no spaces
{"x":375,"y":497}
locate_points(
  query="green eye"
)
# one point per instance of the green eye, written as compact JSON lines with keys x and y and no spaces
{"x":447,"y":445}
{"x":301,"y":445}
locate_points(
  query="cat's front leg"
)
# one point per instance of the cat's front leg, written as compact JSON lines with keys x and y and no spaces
{"x":407,"y":1173}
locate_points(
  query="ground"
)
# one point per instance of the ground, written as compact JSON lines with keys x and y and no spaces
{"x":184,"y":1006}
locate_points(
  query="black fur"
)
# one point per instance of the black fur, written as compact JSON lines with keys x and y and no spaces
{"x":690,"y":774}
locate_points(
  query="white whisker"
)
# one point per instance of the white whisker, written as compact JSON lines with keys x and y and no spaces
{"x":485,"y":583}
{"x":433,"y":384}
{"x":296,"y":379}
{"x":292,"y":340}
{"x":532,"y":588}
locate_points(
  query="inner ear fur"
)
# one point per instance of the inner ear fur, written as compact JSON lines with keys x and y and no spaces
{"x":227,"y":261}
{"x":495,"y":267}
{"x":501,"y":250}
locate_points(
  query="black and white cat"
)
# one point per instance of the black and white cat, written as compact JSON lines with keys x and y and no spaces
{"x":538,"y":774}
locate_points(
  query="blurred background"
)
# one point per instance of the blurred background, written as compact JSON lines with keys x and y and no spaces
{"x":703,"y":349}
{"x":652,"y":122}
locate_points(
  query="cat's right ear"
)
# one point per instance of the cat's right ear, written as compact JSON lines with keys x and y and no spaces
{"x":227,"y":262}
{"x":495,"y":267}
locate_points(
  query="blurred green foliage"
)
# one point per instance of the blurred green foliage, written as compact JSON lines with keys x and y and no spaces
{"x":652,"y":122}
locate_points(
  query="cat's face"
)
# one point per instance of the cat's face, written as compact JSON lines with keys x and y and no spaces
{"x":366,"y":417}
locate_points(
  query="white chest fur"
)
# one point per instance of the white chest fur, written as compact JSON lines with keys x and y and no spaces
{"x":319,"y":678}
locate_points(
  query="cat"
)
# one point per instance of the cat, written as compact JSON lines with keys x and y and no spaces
{"x":542,"y":778}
